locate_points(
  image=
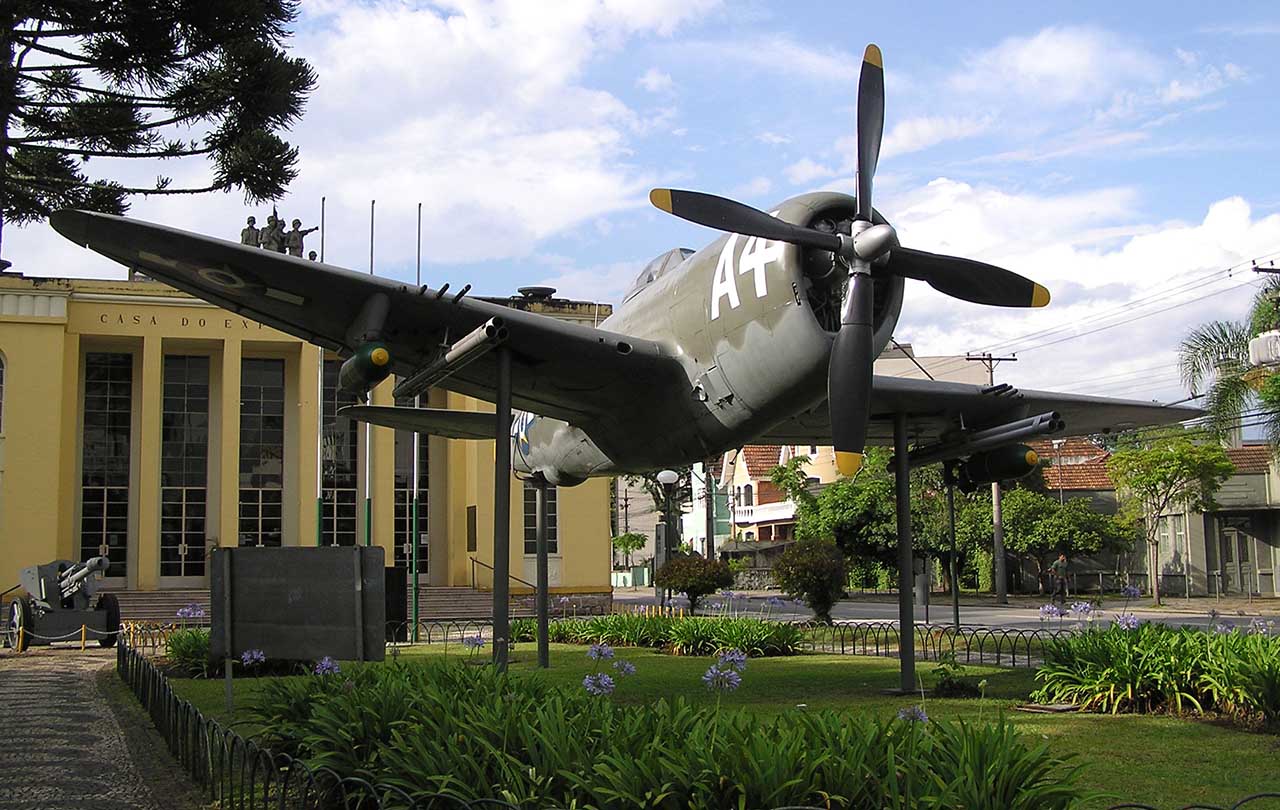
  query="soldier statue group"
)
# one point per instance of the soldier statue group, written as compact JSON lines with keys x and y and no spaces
{"x":274,"y":237}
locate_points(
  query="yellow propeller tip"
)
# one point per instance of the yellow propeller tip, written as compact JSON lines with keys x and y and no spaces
{"x":661,"y":198}
{"x":380,"y":356}
{"x":1032,"y":457}
{"x":1039,"y":296}
{"x":848,"y":463}
{"x":873,"y":56}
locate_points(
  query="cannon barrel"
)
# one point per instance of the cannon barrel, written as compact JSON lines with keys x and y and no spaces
{"x":71,"y":579}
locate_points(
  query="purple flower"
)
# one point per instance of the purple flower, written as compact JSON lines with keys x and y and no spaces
{"x":1223,"y":628}
{"x":624,"y":668}
{"x":599,"y":652}
{"x":715,"y":606}
{"x":599,"y":684}
{"x":1130,"y":592}
{"x":1050,"y":611}
{"x":730,"y":595}
{"x":721,"y":680}
{"x":1081,"y":608}
{"x":327,"y":666}
{"x":564,"y":600}
{"x":192,"y":611}
{"x":913,"y":714}
{"x":1127,"y":621}
{"x":253,"y":657}
{"x":774,"y":602}
{"x":473,"y":643}
{"x":798,"y":602}
{"x":1257,"y":626}
{"x":733,"y":659}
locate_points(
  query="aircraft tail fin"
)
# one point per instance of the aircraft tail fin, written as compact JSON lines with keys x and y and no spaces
{"x":432,"y":421}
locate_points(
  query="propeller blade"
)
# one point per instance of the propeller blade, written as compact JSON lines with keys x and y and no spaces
{"x":870,"y":125}
{"x":968,"y":280}
{"x":727,"y":215}
{"x":849,"y":376}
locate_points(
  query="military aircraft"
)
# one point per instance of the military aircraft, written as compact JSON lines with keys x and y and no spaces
{"x":768,"y":334}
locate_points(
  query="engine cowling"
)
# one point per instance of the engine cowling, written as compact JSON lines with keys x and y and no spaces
{"x":370,"y":365}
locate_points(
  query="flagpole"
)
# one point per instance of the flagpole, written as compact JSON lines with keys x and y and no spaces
{"x":415,"y":531}
{"x":368,"y":429}
{"x":320,"y":417}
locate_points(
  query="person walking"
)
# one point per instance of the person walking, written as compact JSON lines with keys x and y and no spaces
{"x":1058,"y":570}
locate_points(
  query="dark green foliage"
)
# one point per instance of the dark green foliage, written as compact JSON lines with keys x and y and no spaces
{"x":163,"y":79}
{"x":684,"y":635}
{"x":524,"y":629}
{"x":188,"y":650}
{"x":695,"y":577}
{"x":471,"y":733}
{"x":1154,"y":668}
{"x":815,"y":571}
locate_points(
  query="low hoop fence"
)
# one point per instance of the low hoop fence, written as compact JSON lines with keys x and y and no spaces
{"x":998,"y":646}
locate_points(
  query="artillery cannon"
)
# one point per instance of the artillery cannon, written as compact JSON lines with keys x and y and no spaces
{"x":60,"y":601}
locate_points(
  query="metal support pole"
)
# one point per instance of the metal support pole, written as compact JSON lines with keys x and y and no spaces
{"x":709,"y":483}
{"x":542,"y":597}
{"x":948,"y":475}
{"x":906,"y":616}
{"x":502,"y":512}
{"x":997,"y":547}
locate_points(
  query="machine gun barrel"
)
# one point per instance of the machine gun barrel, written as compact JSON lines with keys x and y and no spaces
{"x":73,"y":578}
{"x":483,"y":339}
{"x":986,"y":439}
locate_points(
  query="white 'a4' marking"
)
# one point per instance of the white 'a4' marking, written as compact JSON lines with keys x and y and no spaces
{"x":757,"y":254}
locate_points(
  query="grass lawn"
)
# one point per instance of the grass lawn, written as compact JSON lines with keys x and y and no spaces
{"x":1166,"y":762}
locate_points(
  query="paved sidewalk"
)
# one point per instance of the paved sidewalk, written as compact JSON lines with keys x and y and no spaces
{"x":64,"y":744}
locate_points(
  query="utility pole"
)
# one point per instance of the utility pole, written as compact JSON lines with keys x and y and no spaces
{"x":709,"y":484}
{"x":997,"y":526}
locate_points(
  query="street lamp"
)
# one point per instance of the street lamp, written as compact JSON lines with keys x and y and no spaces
{"x":668,"y":479}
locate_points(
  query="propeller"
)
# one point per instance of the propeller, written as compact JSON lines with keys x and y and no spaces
{"x":849,"y":373}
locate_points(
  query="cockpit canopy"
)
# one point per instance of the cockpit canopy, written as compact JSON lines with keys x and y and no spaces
{"x":657,"y":268}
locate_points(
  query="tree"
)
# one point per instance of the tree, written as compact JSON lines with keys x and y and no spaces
{"x":84,"y":79}
{"x":1214,"y":359}
{"x":1037,"y":526}
{"x":815,"y":571}
{"x":694,"y":577}
{"x":1167,"y":474}
{"x":629,"y":543}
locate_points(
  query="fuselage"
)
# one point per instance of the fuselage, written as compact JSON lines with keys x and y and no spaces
{"x":751,"y":323}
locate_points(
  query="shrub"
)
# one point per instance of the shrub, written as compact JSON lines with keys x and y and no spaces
{"x":815,"y":571}
{"x":1153,"y":667}
{"x":513,"y":738}
{"x":694,"y":577}
{"x":188,"y":650}
{"x":524,"y":629}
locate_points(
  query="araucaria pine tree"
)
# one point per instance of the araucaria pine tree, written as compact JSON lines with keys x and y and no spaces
{"x":151,"y":79}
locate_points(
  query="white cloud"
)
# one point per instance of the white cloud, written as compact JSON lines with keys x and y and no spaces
{"x":1057,"y":65}
{"x":477,"y":109}
{"x":779,"y":54}
{"x":772,"y":138}
{"x":915,"y":134}
{"x":603,"y":282}
{"x":1209,"y":80}
{"x":655,"y":81}
{"x":756,"y":187}
{"x":1100,"y":272}
{"x":806,"y":170}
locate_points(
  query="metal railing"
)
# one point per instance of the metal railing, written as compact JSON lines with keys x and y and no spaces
{"x":512,"y":577}
{"x":997,"y":646}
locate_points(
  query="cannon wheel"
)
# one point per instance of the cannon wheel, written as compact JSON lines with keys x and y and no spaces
{"x":111,"y":605}
{"x":20,"y":618}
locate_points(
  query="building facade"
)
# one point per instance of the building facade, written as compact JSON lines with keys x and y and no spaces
{"x":142,"y":424}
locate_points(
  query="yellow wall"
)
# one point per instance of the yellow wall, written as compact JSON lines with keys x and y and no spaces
{"x":47,"y":326}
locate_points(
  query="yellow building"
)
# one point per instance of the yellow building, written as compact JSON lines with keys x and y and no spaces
{"x":142,"y":424}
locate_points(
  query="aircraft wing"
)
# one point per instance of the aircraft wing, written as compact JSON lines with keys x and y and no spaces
{"x":935,"y":408}
{"x":559,"y":369}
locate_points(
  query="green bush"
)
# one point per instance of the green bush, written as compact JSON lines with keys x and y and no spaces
{"x":524,"y":629}
{"x":694,"y":577}
{"x":1158,"y":668}
{"x":188,"y":650}
{"x":683,"y":635}
{"x":815,"y":571}
{"x":469,"y":734}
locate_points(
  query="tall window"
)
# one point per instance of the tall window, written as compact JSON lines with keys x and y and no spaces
{"x":1,"y":393}
{"x":104,"y":481}
{"x":184,"y":465}
{"x":404,"y":496}
{"x":340,"y":453}
{"x":261,"y":451}
{"x":748,"y":499}
{"x":531,"y":520}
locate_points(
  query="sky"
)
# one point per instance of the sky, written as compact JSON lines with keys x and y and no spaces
{"x":1121,"y":154}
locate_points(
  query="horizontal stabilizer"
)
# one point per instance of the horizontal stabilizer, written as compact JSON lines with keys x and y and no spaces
{"x":432,"y":421}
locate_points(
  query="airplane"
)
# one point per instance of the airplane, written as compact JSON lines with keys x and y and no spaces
{"x":766,"y":335}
